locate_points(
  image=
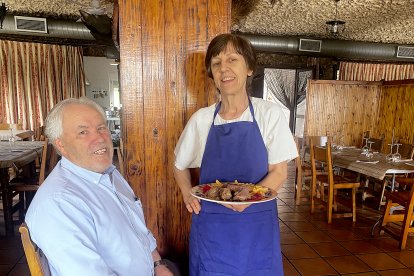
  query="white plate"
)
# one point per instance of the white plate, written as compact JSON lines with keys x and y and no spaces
{"x":268,"y":198}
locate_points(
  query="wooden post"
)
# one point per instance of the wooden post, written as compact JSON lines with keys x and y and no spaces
{"x":163,"y":81}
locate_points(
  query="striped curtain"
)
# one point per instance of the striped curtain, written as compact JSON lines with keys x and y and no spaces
{"x":375,"y":71}
{"x":34,"y":77}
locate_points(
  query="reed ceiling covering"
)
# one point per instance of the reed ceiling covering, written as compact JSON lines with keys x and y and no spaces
{"x":386,"y":21}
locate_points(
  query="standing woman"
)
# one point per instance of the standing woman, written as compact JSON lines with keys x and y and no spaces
{"x":240,"y":138}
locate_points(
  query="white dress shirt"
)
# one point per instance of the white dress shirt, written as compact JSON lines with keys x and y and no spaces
{"x":88,"y":223}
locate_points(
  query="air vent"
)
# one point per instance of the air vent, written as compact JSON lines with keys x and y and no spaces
{"x":30,"y":24}
{"x":405,"y":52}
{"x":310,"y":45}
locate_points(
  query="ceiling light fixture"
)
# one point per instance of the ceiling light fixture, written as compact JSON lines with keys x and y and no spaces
{"x":335,"y":27}
{"x":3,"y":11}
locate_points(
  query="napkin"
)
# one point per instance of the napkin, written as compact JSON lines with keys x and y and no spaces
{"x":367,"y":162}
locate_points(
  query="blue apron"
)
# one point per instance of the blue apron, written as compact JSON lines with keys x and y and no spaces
{"x":225,"y":242}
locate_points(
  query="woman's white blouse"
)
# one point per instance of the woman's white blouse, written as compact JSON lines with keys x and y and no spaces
{"x":270,"y":119}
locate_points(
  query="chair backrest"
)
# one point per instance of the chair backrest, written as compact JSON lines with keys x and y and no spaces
{"x":31,"y":252}
{"x":377,"y":145}
{"x":321,"y":154}
{"x":4,"y":126}
{"x":406,"y":150}
{"x":39,"y":133}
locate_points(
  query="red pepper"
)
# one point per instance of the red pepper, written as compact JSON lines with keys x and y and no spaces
{"x":206,"y":188}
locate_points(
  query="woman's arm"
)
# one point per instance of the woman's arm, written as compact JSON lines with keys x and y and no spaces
{"x":274,"y":179}
{"x":183,"y":179}
{"x":276,"y":176}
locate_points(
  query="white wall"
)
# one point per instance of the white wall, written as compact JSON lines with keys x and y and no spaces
{"x":99,"y":73}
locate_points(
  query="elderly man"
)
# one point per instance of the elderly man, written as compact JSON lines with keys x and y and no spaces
{"x":85,"y":217}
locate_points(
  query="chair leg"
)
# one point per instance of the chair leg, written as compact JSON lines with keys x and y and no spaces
{"x":353,"y":204}
{"x":298,"y":189}
{"x":312,"y":194}
{"x":386,"y":215}
{"x":330,"y":203}
{"x":384,"y":183}
{"x":405,"y":227}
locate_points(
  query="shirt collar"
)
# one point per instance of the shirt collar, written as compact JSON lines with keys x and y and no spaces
{"x":84,"y":173}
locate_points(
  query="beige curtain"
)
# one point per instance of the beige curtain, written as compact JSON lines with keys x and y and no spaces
{"x":375,"y":71}
{"x":34,"y":77}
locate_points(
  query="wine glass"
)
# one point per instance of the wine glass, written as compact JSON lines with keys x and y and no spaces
{"x":397,"y":156}
{"x":11,"y":139}
{"x":370,"y":153}
{"x":390,"y":156}
{"x":365,"y":147}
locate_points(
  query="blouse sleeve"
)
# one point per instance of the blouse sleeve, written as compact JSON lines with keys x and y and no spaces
{"x":277,"y":135}
{"x":187,"y":153}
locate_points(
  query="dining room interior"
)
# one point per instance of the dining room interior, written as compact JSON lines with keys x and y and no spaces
{"x":341,"y":70}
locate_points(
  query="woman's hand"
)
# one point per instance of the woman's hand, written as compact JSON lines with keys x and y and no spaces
{"x":162,"y":270}
{"x":192,"y":204}
{"x":236,"y":207}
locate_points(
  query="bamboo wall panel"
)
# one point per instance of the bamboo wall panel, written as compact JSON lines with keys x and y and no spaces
{"x":342,"y":109}
{"x":397,"y":111}
{"x":163,"y":82}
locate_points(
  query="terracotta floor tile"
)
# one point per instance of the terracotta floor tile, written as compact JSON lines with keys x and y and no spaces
{"x":284,"y":209}
{"x":298,"y":251}
{"x":386,"y":244}
{"x":397,"y":272}
{"x":348,"y":264}
{"x":314,"y":236}
{"x":344,"y":235}
{"x":20,"y":270}
{"x":329,"y":249}
{"x":300,"y":225}
{"x":313,"y":267}
{"x":292,"y":217}
{"x":5,"y":268}
{"x":381,"y":261}
{"x":284,"y":228}
{"x":289,"y":269}
{"x":371,"y":273}
{"x":358,"y":247}
{"x":290,"y":238}
{"x":285,"y":195}
{"x":404,"y":257}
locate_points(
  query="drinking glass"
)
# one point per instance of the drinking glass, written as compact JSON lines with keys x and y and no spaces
{"x":365,"y":147}
{"x":390,"y":156}
{"x":11,"y":139}
{"x":397,"y":156}
{"x":370,"y":153}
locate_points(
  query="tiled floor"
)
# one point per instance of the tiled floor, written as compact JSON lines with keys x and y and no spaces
{"x":310,"y":246}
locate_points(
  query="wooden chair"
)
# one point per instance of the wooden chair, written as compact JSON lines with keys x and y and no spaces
{"x":333,"y":182}
{"x":393,"y":212}
{"x":32,"y":252}
{"x":407,"y":151}
{"x":303,"y":169}
{"x":26,"y":186}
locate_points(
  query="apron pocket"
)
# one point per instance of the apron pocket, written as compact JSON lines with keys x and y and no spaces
{"x":236,"y":244}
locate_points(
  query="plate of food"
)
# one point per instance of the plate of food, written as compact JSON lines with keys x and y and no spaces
{"x":233,"y":192}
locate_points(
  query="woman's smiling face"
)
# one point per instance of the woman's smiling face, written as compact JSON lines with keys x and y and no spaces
{"x":230,"y":71}
{"x":86,"y":139}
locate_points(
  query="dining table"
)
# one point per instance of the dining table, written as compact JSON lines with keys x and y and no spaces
{"x":376,"y":166}
{"x":18,"y":134}
{"x":14,"y":155}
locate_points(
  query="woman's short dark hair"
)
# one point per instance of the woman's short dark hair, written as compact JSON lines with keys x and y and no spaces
{"x":241,"y":45}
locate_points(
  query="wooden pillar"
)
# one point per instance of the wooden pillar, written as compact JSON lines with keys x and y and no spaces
{"x":163,"y":81}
